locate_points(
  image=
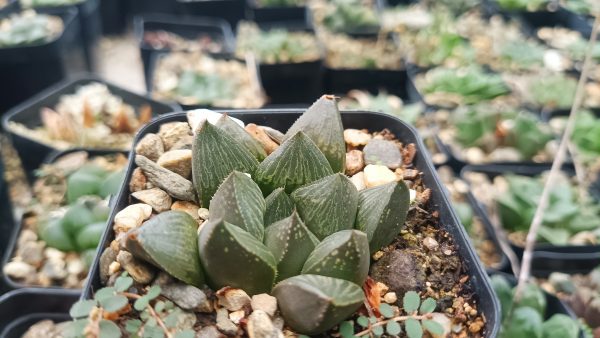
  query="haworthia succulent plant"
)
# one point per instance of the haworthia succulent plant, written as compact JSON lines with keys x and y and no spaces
{"x":344,"y":255}
{"x":312,"y":304}
{"x":291,"y":242}
{"x":323,"y":124}
{"x":327,"y":205}
{"x":295,"y":163}
{"x":215,"y":155}
{"x":239,"y":201}
{"x":382,"y":211}
{"x":168,"y":241}
{"x":232,"y":257}
{"x":239,"y":134}
{"x":278,"y":206}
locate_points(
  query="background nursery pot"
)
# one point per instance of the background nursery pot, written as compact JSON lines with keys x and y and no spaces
{"x":27,"y":113}
{"x":231,"y":10}
{"x":281,"y":120}
{"x":547,"y":257}
{"x":261,"y":14}
{"x":20,"y":309}
{"x":189,"y":28}
{"x":13,"y":236}
{"x":7,"y":223}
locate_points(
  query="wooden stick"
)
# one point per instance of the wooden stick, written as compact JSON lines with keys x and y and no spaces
{"x":556,"y":166}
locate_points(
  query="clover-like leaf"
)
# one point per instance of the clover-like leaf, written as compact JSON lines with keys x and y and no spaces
{"x":344,"y":255}
{"x":241,"y":135}
{"x":428,"y":306}
{"x":362,"y":321}
{"x":185,"y":334}
{"x":123,"y":283}
{"x":104,"y":293}
{"x":433,"y":327}
{"x":386,"y":310}
{"x":239,"y":201}
{"x":133,"y":325}
{"x":560,"y":325}
{"x":215,"y":155}
{"x":312,"y":304}
{"x":382,"y":211}
{"x":393,"y":328}
{"x":347,"y":329}
{"x":322,"y":122}
{"x":290,"y":242}
{"x":377,"y":331}
{"x":278,"y":206}
{"x":109,"y":329}
{"x":82,"y":308}
{"x":524,"y":322}
{"x":141,"y":303}
{"x":411,"y":302}
{"x":413,"y":328}
{"x":295,"y":163}
{"x":168,"y":240}
{"x":232,"y":257}
{"x":327,"y":205}
{"x":114,"y":303}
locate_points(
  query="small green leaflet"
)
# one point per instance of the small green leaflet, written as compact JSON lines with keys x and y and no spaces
{"x":82,"y":308}
{"x":428,"y":306}
{"x":413,"y":328}
{"x":411,"y":302}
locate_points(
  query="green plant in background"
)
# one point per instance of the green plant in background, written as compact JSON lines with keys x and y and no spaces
{"x":565,"y":216}
{"x":471,"y":83}
{"x":578,"y":48}
{"x":555,"y":91}
{"x":350,"y":16}
{"x":584,"y":7}
{"x":526,"y":318}
{"x":586,"y":135}
{"x":489,"y":128}
{"x":281,"y":3}
{"x":205,"y":88}
{"x":384,"y":103}
{"x":48,"y":3}
{"x":522,"y":54}
{"x":29,"y":28}
{"x":522,"y":5}
{"x":277,"y":45}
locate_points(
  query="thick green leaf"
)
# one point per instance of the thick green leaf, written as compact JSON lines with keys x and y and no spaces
{"x":233,"y":257}
{"x":77,"y":217}
{"x":239,"y":201}
{"x":327,"y":205}
{"x":312,"y":304}
{"x":215,"y":155}
{"x":411,"y":302}
{"x":533,"y":297}
{"x":382,"y":211}
{"x":112,"y":183}
{"x":504,"y":292}
{"x":413,"y":328}
{"x":82,"y":308}
{"x":322,"y":122}
{"x":278,"y":206}
{"x":525,"y":322}
{"x":560,"y":326}
{"x":344,"y":255}
{"x":89,"y":237}
{"x":239,"y":134}
{"x":53,"y":233}
{"x":168,"y":240}
{"x":295,"y":163}
{"x":291,"y":243}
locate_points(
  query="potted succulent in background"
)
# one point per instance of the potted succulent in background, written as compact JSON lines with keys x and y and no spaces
{"x":300,"y":253}
{"x":62,"y":226}
{"x":358,"y":18}
{"x":290,"y":60}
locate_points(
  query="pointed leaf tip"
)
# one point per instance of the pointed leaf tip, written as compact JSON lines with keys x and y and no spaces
{"x":238,"y":133}
{"x":278,"y":206}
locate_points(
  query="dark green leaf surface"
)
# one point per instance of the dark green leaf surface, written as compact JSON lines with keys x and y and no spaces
{"x":278,"y":206}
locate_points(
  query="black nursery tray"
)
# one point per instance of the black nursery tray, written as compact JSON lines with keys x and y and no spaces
{"x":22,"y":308}
{"x":187,"y":27}
{"x":261,"y":14}
{"x":282,"y":120}
{"x":231,"y":10}
{"x":547,"y":258}
{"x":7,"y":219}
{"x":27,"y":113}
{"x":11,"y":236}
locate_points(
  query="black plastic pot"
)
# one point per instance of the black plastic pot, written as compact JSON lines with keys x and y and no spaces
{"x":6,"y":219}
{"x":261,"y":14}
{"x":141,"y":7}
{"x":33,"y":152}
{"x":282,"y":120}
{"x":10,"y":4}
{"x":114,"y":15}
{"x":12,"y":237}
{"x":231,"y":10}
{"x":547,"y":257}
{"x":20,"y":309}
{"x":188,"y":27}
{"x":26,"y":70}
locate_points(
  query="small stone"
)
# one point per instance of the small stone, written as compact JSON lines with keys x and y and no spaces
{"x":445,"y":322}
{"x":150,"y":146}
{"x":131,"y":217}
{"x":261,"y":136}
{"x":430,"y":243}
{"x":410,"y":174}
{"x":377,"y":255}
{"x":107,"y":257}
{"x":183,"y":143}
{"x":52,"y":253}
{"x":18,"y":270}
{"x":75,"y":266}
{"x":383,"y":289}
{"x":474,"y":155}
{"x":260,"y":325}
{"x":189,"y":207}
{"x":376,"y":175}
{"x":355,"y":137}
{"x":172,"y":132}
{"x":140,"y":272}
{"x":157,"y":198}
{"x":408,"y":153}
{"x":209,"y":332}
{"x":237,"y":316}
{"x":233,"y":299}
{"x":383,"y":152}
{"x":45,"y":328}
{"x":113,"y":268}
{"x":359,"y":181}
{"x":390,"y":298}
{"x":185,"y":321}
{"x":26,"y":236}
{"x":400,"y":271}
{"x":354,"y":162}
{"x":32,"y":253}
{"x":264,"y":302}
{"x":178,"y":161}
{"x":224,"y":324}
{"x":203,"y":213}
{"x":505,"y":155}
{"x":55,"y":269}
{"x":187,"y":297}
{"x":447,"y":252}
{"x":278,"y":322}
{"x":138,"y":180}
